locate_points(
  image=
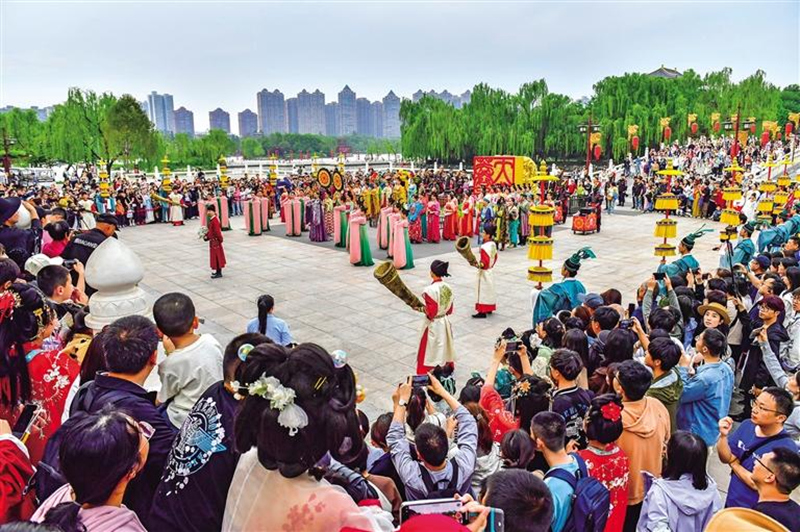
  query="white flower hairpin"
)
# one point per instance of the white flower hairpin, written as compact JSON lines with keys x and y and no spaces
{"x":281,"y":398}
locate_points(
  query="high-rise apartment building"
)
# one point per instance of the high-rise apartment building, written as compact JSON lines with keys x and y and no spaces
{"x":161,"y":112}
{"x":376,"y":118}
{"x":363,"y":122}
{"x":184,"y":121}
{"x":331,"y":119}
{"x":271,"y":112}
{"x":391,"y":116}
{"x":348,"y":123}
{"x":219,"y":119}
{"x":248,"y":123}
{"x":311,"y":112}
{"x":291,"y":115}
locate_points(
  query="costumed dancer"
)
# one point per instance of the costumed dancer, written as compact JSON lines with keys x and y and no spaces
{"x":214,"y":238}
{"x":384,"y":229}
{"x":524,"y":209}
{"x":686,"y":262}
{"x":176,"y":208}
{"x":340,"y":226}
{"x":513,"y":222}
{"x":486,"y":217}
{"x":358,"y":243}
{"x":744,"y":251}
{"x":292,"y":214}
{"x":327,"y":204}
{"x":415,"y":222}
{"x":402,"y":255}
{"x":423,"y":216}
{"x":85,"y":207}
{"x":465,"y":217}
{"x":317,"y":231}
{"x":565,"y":295}
{"x":436,"y":344}
{"x":450,"y":219}
{"x":501,"y":224}
{"x":393,"y":218}
{"x":433,"y":234}
{"x":486,"y":295}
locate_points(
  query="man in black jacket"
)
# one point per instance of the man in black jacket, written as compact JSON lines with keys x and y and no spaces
{"x":83,"y":244}
{"x":129,"y":345}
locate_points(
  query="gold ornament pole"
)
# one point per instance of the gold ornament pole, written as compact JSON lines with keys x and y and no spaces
{"x":540,"y":220}
{"x":667,"y":202}
{"x":103,"y":176}
{"x":166,"y":180}
{"x":273,"y":170}
{"x":223,"y":172}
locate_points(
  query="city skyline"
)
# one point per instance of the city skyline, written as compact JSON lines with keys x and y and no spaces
{"x":225,"y":56}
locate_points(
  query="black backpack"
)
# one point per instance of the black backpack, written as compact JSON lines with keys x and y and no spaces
{"x":591,"y":500}
{"x":448,"y":492}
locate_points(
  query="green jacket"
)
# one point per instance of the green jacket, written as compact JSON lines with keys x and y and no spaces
{"x":668,"y":389}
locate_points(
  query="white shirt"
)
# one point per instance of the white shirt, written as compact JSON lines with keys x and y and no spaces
{"x":188,"y":372}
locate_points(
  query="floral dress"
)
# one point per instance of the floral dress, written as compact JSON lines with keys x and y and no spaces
{"x":610,"y":467}
{"x":51,"y":375}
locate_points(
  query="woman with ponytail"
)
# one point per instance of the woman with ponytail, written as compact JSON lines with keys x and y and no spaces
{"x":99,"y":454}
{"x":29,"y":374}
{"x":295,"y":412}
{"x":273,"y":328}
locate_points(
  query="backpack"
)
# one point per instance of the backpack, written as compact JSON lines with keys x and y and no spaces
{"x":448,"y":492}
{"x":590,"y":499}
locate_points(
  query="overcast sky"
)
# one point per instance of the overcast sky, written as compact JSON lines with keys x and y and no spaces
{"x":216,"y":53}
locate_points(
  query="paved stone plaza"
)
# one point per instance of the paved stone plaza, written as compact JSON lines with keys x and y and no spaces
{"x":327,"y":301}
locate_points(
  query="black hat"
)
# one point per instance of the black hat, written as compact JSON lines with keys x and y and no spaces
{"x":439,"y":268}
{"x":107,"y":218}
{"x":490,"y":229}
{"x":8,"y":206}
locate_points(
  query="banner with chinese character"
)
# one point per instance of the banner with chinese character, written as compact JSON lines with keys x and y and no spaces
{"x":502,"y":171}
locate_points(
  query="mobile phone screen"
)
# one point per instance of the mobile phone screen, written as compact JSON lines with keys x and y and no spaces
{"x":25,"y":420}
{"x":450,"y":507}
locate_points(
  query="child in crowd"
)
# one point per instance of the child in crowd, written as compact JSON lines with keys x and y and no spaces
{"x":193,"y":362}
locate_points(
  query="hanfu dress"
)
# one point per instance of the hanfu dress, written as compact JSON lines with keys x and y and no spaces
{"x":401,"y":253}
{"x":450,"y":232}
{"x":513,"y":225}
{"x":149,"y":216}
{"x":51,"y":375}
{"x":384,"y":230}
{"x":465,"y":220}
{"x":317,"y":227}
{"x":415,"y":223}
{"x":524,"y":228}
{"x":328,"y":207}
{"x":340,"y":226}
{"x":292,"y":209}
{"x":176,"y":211}
{"x":436,"y":344}
{"x":486,"y":295}
{"x":393,"y":219}
{"x":358,"y":243}
{"x":433,"y":233}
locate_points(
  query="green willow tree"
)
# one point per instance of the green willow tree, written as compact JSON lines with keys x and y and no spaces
{"x":541,"y":124}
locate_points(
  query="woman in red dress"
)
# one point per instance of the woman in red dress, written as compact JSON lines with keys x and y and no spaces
{"x":604,"y":459}
{"x":31,"y":374}
{"x":214,"y":238}
{"x":450,"y":209}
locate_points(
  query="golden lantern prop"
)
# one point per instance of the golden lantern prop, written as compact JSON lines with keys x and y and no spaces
{"x":540,"y":248}
{"x":540,"y":274}
{"x":731,"y":194}
{"x":765,"y":206}
{"x":542,"y":177}
{"x":103,"y":175}
{"x":730,"y":216}
{"x":666,"y":228}
{"x":767,"y":186}
{"x":341,"y":163}
{"x":223,"y":173}
{"x":540,"y":243}
{"x":166,"y":180}
{"x":665,"y":250}
{"x":781,"y":198}
{"x":273,"y":169}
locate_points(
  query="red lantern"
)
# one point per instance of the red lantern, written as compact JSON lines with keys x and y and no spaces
{"x":735,"y":150}
{"x":752,"y":128}
{"x":764,"y":138}
{"x":788,"y":128}
{"x":635,"y":142}
{"x":598,"y":151}
{"x":694,"y":128}
{"x":667,"y":133}
{"x":716,"y":127}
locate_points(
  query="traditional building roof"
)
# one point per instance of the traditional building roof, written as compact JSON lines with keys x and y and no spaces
{"x":665,"y":72}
